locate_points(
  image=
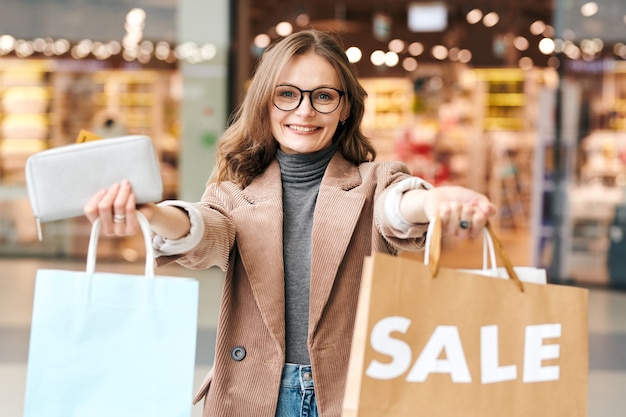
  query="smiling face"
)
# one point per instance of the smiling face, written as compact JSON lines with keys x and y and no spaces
{"x":305,"y":130}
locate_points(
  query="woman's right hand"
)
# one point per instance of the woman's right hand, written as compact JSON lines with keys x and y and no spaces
{"x":116,"y":208}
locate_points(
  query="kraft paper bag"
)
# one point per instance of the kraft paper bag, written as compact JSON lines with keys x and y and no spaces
{"x":111,"y":345}
{"x":436,"y":342}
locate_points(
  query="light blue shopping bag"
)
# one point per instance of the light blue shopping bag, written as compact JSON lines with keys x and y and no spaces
{"x":111,"y":345}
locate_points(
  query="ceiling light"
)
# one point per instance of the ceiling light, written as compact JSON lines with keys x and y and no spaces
{"x":162,"y":50}
{"x":377,"y":57}
{"x":439,"y":52}
{"x":136,"y":17}
{"x":39,"y":44}
{"x":491,"y":19}
{"x":409,"y":64}
{"x":591,"y":46}
{"x":525,"y":63}
{"x":7,"y":43}
{"x":391,"y":59}
{"x":303,"y":20}
{"x":465,"y":56}
{"x":453,"y":54}
{"x":546,"y":46}
{"x":284,"y":29}
{"x":474,"y":16}
{"x":262,"y":41}
{"x":354,"y":54}
{"x":416,"y":48}
{"x":396,"y":45}
{"x":23,"y":48}
{"x":572,"y":51}
{"x":115,"y":47}
{"x":589,"y":9}
{"x":520,"y":43}
{"x":427,"y":17}
{"x":537,"y":27}
{"x":208,"y":52}
{"x":61,"y":46}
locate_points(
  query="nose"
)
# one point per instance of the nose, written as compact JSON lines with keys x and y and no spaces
{"x":305,"y":107}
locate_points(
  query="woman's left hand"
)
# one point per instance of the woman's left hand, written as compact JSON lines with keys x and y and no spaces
{"x":463,"y":212}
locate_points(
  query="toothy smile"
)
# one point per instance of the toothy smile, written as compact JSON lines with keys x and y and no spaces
{"x":302,"y":128}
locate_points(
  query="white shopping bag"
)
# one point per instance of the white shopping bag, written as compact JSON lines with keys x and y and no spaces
{"x":112,"y":345}
{"x":490,"y":267}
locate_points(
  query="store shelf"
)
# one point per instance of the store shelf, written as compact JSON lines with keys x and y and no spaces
{"x":44,"y":105}
{"x":25,"y":121}
{"x":503,"y":123}
{"x":502,"y":94}
{"x":506,"y":99}
{"x":388,"y":104}
{"x":614,"y":91}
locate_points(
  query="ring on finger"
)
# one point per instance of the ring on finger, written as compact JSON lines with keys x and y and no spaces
{"x":464,"y":224}
{"x":119,"y":218}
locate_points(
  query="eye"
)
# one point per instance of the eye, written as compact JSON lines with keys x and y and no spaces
{"x":325,"y":95}
{"x":287,"y":93}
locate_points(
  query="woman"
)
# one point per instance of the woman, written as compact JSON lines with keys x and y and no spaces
{"x":294,"y":205}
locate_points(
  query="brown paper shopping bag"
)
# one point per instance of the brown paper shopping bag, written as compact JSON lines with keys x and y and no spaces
{"x":436,"y":342}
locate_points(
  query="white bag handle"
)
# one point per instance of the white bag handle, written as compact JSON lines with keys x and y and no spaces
{"x":489,"y":252}
{"x":147,"y":237}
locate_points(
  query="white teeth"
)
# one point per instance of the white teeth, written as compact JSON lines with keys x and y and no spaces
{"x":302,"y":128}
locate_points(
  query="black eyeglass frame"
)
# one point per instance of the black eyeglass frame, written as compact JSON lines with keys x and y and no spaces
{"x":340,"y":92}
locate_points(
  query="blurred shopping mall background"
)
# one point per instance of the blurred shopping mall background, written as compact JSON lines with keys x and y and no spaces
{"x":525,"y":101}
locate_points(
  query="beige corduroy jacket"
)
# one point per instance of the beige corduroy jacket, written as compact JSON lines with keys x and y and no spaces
{"x":243,"y":236}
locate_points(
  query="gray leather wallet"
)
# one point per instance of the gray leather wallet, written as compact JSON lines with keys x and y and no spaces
{"x":62,"y":180}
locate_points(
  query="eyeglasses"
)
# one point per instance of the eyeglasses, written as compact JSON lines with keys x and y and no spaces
{"x":323,"y":99}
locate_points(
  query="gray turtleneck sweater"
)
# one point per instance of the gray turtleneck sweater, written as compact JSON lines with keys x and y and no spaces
{"x":301,"y":178}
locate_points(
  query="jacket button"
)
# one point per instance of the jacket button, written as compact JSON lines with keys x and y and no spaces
{"x":238,"y":353}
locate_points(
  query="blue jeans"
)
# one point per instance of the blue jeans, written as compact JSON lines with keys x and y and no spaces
{"x":297,"y":396}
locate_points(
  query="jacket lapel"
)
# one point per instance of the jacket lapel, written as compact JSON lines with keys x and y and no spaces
{"x":260,"y":244}
{"x":336,"y":214}
{"x":260,"y":239}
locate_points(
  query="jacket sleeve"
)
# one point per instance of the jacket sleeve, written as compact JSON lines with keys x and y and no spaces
{"x":399,"y":234}
{"x":213,"y":237}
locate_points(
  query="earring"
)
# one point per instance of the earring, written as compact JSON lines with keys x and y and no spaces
{"x":342,"y":122}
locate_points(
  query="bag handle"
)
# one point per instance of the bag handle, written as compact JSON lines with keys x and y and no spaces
{"x":147,"y":233}
{"x":432,"y":250}
{"x":489,"y":253}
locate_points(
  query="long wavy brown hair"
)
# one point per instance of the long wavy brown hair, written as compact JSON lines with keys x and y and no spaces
{"x":247,"y":146}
